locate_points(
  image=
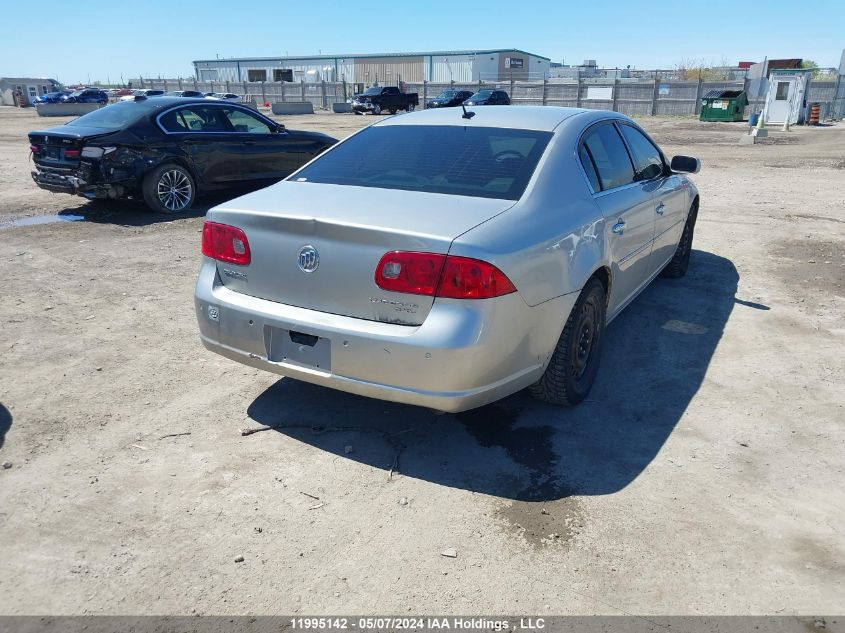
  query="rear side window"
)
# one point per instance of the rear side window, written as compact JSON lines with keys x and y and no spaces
{"x":589,"y":168}
{"x":195,"y":118}
{"x":450,"y":159}
{"x":609,"y":156}
{"x":647,"y":160}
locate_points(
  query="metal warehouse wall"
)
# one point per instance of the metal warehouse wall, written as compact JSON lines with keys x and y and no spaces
{"x":450,"y":68}
{"x":389,"y":70}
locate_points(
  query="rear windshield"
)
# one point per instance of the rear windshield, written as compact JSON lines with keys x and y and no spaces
{"x":112,"y":117}
{"x":464,"y":161}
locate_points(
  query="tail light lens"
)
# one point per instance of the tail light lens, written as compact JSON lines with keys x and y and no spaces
{"x":225,"y":243}
{"x":465,"y":278}
{"x":35,"y":149}
{"x":71,"y":153}
{"x":437,"y":275}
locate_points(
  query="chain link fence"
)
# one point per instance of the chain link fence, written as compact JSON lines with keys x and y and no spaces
{"x":634,"y":97}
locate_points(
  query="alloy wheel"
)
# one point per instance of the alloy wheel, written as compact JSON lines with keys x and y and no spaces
{"x":174,"y":190}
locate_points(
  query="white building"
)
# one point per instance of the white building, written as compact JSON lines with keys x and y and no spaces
{"x":27,"y":87}
{"x":385,"y":69}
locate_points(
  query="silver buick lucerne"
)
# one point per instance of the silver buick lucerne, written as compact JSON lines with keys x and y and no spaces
{"x":448,"y":258}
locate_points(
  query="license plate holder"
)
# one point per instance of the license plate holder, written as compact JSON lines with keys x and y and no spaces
{"x":301,"y":349}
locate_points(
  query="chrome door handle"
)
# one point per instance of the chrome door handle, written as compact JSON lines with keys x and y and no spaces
{"x":660,"y":208}
{"x":618,"y":228}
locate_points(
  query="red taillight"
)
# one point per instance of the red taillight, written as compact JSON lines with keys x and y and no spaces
{"x":413,"y":273}
{"x":225,"y":243}
{"x":465,"y":278}
{"x":431,"y":274}
{"x":35,"y":149}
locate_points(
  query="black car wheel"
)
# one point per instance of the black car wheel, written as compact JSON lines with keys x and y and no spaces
{"x":677,"y":266}
{"x":575,"y":360}
{"x":410,"y":107}
{"x":376,"y":109}
{"x":169,"y":189}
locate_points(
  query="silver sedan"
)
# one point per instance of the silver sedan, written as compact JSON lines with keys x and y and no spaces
{"x":446,"y":258}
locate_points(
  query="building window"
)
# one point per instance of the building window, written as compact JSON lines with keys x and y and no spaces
{"x":282,"y":74}
{"x":33,"y":92}
{"x":257,"y":75}
{"x":782,"y":91}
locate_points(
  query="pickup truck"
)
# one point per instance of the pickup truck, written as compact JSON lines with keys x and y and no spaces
{"x":378,"y":98}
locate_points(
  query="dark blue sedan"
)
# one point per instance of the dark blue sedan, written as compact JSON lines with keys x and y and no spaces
{"x":86,"y":95}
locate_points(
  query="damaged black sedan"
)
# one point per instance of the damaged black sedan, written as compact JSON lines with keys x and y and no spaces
{"x":168,"y":150}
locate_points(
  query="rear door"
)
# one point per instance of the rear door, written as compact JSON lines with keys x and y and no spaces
{"x":202,"y":133}
{"x":627,"y":206}
{"x":669,"y":193}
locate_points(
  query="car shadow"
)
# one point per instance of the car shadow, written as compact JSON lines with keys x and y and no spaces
{"x":655,"y":358}
{"x":5,"y":423}
{"x":136,"y":213}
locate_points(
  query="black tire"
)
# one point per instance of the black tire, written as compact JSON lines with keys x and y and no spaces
{"x":575,"y":360}
{"x":677,"y":266}
{"x":410,"y":107}
{"x":376,"y":109}
{"x":169,"y":188}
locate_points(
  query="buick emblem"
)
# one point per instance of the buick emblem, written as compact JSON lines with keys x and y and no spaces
{"x":309,"y":259}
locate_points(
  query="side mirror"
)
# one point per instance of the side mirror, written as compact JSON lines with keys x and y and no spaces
{"x":685,"y":164}
{"x":280,"y":128}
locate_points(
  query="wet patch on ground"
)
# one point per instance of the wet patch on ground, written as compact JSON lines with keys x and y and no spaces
{"x":36,"y":220}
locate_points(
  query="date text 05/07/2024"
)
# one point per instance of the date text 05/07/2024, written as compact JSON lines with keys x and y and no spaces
{"x":408,"y":623}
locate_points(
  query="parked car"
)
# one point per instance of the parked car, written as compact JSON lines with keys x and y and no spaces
{"x":184,"y":93}
{"x":52,"y":97}
{"x":86,"y":95}
{"x":380,"y":99}
{"x":489,"y":97}
{"x":146,"y":92}
{"x":222,"y":96}
{"x":122,"y":92}
{"x":449,"y":99}
{"x":168,"y":150}
{"x":445,"y":260}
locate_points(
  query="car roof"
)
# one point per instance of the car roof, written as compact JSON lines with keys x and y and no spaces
{"x":540,"y":118}
{"x":161,"y":103}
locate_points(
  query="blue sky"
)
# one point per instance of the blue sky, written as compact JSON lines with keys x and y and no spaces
{"x":82,"y":40}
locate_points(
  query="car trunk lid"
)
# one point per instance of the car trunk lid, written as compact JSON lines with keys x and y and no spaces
{"x":350,"y":228}
{"x":61,"y":146}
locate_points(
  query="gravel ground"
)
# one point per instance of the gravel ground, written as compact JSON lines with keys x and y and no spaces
{"x":703,"y":475}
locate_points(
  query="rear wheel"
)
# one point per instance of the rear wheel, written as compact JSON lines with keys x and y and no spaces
{"x":575,"y":360}
{"x":677,"y":266}
{"x":376,"y":109}
{"x":169,"y":188}
{"x":410,"y":107}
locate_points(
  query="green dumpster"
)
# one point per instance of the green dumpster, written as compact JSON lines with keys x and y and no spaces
{"x":723,"y":105}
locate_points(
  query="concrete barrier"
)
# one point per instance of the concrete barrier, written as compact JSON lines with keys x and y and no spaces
{"x":66,"y":109}
{"x":293,"y":107}
{"x":342,"y":107}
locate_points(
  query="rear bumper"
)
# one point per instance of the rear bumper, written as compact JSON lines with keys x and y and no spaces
{"x":58,"y":182}
{"x":74,"y":182}
{"x":466,"y":353}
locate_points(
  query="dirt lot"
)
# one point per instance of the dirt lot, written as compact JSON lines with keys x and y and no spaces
{"x":703,"y":475}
